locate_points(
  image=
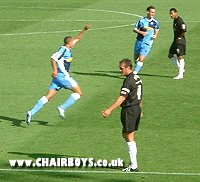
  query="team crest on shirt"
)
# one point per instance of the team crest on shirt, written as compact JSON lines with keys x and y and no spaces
{"x":69,"y":60}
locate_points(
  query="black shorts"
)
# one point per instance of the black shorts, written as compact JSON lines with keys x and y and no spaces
{"x":130,"y":118}
{"x":178,"y":49}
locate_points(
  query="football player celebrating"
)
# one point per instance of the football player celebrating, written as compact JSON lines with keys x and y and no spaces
{"x":60,"y":62}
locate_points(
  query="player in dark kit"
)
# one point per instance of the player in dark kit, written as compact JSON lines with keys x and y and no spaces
{"x":178,"y":47}
{"x":129,"y":99}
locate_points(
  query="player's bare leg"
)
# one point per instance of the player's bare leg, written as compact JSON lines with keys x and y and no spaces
{"x":51,"y":94}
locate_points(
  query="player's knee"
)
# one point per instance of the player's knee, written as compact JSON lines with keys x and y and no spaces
{"x":44,"y":99}
{"x":79,"y":93}
{"x":180,"y":57}
{"x":76,"y":95}
{"x":77,"y":89}
{"x":129,"y":136}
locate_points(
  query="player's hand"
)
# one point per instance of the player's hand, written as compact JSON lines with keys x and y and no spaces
{"x":154,"y":37}
{"x":105,"y":113}
{"x":87,"y":27}
{"x":54,"y":74}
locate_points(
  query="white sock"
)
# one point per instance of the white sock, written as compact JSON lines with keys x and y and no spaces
{"x":132,"y":149}
{"x":182,"y":66}
{"x":175,"y":62}
{"x":43,"y":100}
{"x":137,"y":68}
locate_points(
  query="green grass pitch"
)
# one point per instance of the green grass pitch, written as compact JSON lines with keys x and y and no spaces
{"x":169,"y":133}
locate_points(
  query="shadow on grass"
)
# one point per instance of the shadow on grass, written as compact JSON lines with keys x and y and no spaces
{"x":18,"y":122}
{"x":42,"y":176}
{"x":116,"y":74}
{"x":40,"y":155}
{"x":101,"y":74}
{"x":47,"y":155}
{"x":151,"y":75}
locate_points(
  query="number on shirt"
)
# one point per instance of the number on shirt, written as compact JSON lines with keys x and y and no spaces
{"x":139,"y":92}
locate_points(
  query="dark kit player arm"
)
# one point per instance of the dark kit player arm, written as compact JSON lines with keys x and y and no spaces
{"x":116,"y":104}
{"x":182,"y":29}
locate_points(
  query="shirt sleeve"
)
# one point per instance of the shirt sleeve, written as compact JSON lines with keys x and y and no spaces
{"x":157,"y":26}
{"x":183,"y":26}
{"x":125,"y":90}
{"x":137,"y":25}
{"x":58,"y":55}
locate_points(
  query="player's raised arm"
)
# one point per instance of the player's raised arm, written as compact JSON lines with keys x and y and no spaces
{"x":80,"y":35}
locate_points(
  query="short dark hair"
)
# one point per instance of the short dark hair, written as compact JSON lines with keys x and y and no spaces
{"x":150,"y":7}
{"x":173,"y":9}
{"x":66,"y":39}
{"x":126,"y":62}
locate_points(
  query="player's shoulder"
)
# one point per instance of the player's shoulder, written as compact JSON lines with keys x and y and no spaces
{"x":137,"y":78}
{"x":179,"y":19}
{"x":155,"y":20}
{"x":142,"y":19}
{"x":133,"y":77}
{"x":63,"y":49}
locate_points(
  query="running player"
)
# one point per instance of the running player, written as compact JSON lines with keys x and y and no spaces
{"x":60,"y":62}
{"x":147,"y":31}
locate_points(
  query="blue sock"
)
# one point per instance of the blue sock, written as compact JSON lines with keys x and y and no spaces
{"x":39,"y":105}
{"x":70,"y":101}
{"x":138,"y":66}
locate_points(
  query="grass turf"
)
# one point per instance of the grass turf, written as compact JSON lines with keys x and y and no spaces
{"x":169,"y":131}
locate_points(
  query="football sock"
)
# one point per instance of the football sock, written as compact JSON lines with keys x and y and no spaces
{"x":175,"y":62}
{"x":138,"y":66}
{"x":182,"y":66}
{"x":132,"y":149}
{"x":70,"y":101}
{"x":43,"y":100}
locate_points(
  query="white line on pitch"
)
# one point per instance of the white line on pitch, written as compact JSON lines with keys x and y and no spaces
{"x":83,"y":9}
{"x":100,"y":172}
{"x":67,"y":31}
{"x":88,"y":9}
{"x":23,"y":20}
